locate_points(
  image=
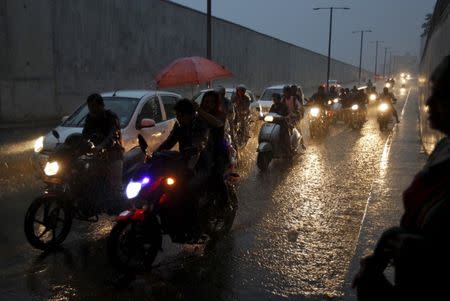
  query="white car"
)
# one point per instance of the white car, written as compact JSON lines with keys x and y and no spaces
{"x":229,"y":93}
{"x":149,"y":113}
{"x":265,"y":101}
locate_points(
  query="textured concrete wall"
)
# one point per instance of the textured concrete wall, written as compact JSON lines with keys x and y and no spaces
{"x":438,"y":47}
{"x":58,"y":51}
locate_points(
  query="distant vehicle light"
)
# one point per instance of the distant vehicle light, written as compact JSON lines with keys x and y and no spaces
{"x":268,"y":118}
{"x":314,"y":112}
{"x":336,"y":100}
{"x":39,"y":144}
{"x":383,"y":107}
{"x":330,"y":102}
{"x":388,"y":85}
{"x":373,"y":97}
{"x":355,"y":107}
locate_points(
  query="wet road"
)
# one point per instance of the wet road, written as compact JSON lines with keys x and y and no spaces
{"x":294,"y":236}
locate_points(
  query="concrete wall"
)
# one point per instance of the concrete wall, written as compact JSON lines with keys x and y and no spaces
{"x":437,"y":47}
{"x":58,"y":51}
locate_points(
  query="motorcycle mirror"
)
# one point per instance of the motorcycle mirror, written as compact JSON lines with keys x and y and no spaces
{"x":55,"y":134}
{"x":142,"y":143}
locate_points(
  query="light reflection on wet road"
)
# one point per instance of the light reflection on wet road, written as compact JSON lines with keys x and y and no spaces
{"x":294,"y":236}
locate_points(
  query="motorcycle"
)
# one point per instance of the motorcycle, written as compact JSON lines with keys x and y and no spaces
{"x":318,"y":124}
{"x":161,"y":206}
{"x":241,"y":133}
{"x":270,"y":145}
{"x":372,"y":99}
{"x":70,"y":191}
{"x":384,"y":115}
{"x":335,"y":111}
{"x":357,"y":117}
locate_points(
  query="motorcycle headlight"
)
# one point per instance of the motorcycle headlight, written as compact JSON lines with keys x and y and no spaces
{"x":314,"y":112}
{"x":39,"y":144}
{"x":388,"y":85}
{"x":268,"y":118}
{"x":355,"y":107}
{"x":383,"y":107}
{"x":51,"y":168}
{"x":330,"y":102}
{"x":133,"y":188}
{"x":336,"y":100}
{"x":373,"y":97}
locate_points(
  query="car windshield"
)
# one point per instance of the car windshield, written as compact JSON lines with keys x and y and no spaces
{"x":267,"y":95}
{"x":122,"y":106}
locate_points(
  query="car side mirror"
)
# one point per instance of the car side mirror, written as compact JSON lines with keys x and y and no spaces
{"x":64,"y":118}
{"x":147,"y":123}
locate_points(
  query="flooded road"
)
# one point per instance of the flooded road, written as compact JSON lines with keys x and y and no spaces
{"x":294,"y":236}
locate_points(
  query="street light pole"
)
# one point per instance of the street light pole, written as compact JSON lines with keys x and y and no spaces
{"x":361,"y":51}
{"x":377,"y":42}
{"x":329,"y":39}
{"x":384,"y":64}
{"x":208,"y":30}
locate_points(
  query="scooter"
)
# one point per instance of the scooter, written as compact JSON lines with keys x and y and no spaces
{"x":269,"y":141}
{"x":384,"y":115}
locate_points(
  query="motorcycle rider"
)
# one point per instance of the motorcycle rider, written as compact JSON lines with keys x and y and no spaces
{"x":191,"y":133}
{"x":319,"y":98}
{"x":369,"y":84}
{"x":102,"y":127}
{"x":386,"y":95}
{"x":242,"y":106}
{"x":279,"y":107}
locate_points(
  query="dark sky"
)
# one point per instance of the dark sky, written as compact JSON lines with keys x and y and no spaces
{"x":397,"y":22}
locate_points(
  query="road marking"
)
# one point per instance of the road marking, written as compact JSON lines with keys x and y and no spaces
{"x":384,"y":160}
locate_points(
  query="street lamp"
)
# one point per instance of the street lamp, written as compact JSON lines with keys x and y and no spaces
{"x":361,"y":51}
{"x":377,"y":42}
{"x":329,"y":38}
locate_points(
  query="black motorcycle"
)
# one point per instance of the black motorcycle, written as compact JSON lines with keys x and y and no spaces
{"x":318,"y":122}
{"x":162,"y":205}
{"x":357,"y":116}
{"x":75,"y":189}
{"x":384,"y":114}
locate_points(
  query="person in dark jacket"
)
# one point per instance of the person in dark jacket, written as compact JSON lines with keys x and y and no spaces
{"x":419,"y":247}
{"x":102,"y":127}
{"x":279,"y":107}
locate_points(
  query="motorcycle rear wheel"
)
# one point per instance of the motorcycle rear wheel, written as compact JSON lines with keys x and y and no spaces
{"x":48,"y":223}
{"x":131,"y":248}
{"x":263,"y":160}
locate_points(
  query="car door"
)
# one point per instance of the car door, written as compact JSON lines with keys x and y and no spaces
{"x":169,"y":102}
{"x":153,"y":135}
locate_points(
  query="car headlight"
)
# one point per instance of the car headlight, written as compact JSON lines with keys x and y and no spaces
{"x":373,"y":97}
{"x":355,"y":107}
{"x":314,"y":112}
{"x":383,"y":107}
{"x":388,"y":85}
{"x":51,"y":168}
{"x":268,"y":118}
{"x":39,"y":144}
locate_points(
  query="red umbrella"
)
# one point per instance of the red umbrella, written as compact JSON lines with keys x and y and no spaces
{"x":190,"y":71}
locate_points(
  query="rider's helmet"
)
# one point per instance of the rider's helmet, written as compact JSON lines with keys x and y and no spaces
{"x":241,"y":87}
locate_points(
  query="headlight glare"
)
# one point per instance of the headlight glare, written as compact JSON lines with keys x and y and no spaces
{"x":314,"y":112}
{"x":383,"y":107}
{"x":133,"y":189}
{"x":39,"y":144}
{"x":268,"y":118}
{"x":51,"y":168}
{"x":355,"y":107}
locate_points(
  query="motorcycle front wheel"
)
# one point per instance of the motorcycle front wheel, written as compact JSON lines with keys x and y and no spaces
{"x":132,"y":248}
{"x":263,"y":160}
{"x":47,"y":222}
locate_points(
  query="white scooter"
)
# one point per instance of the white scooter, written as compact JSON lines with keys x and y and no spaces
{"x":269,"y":141}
